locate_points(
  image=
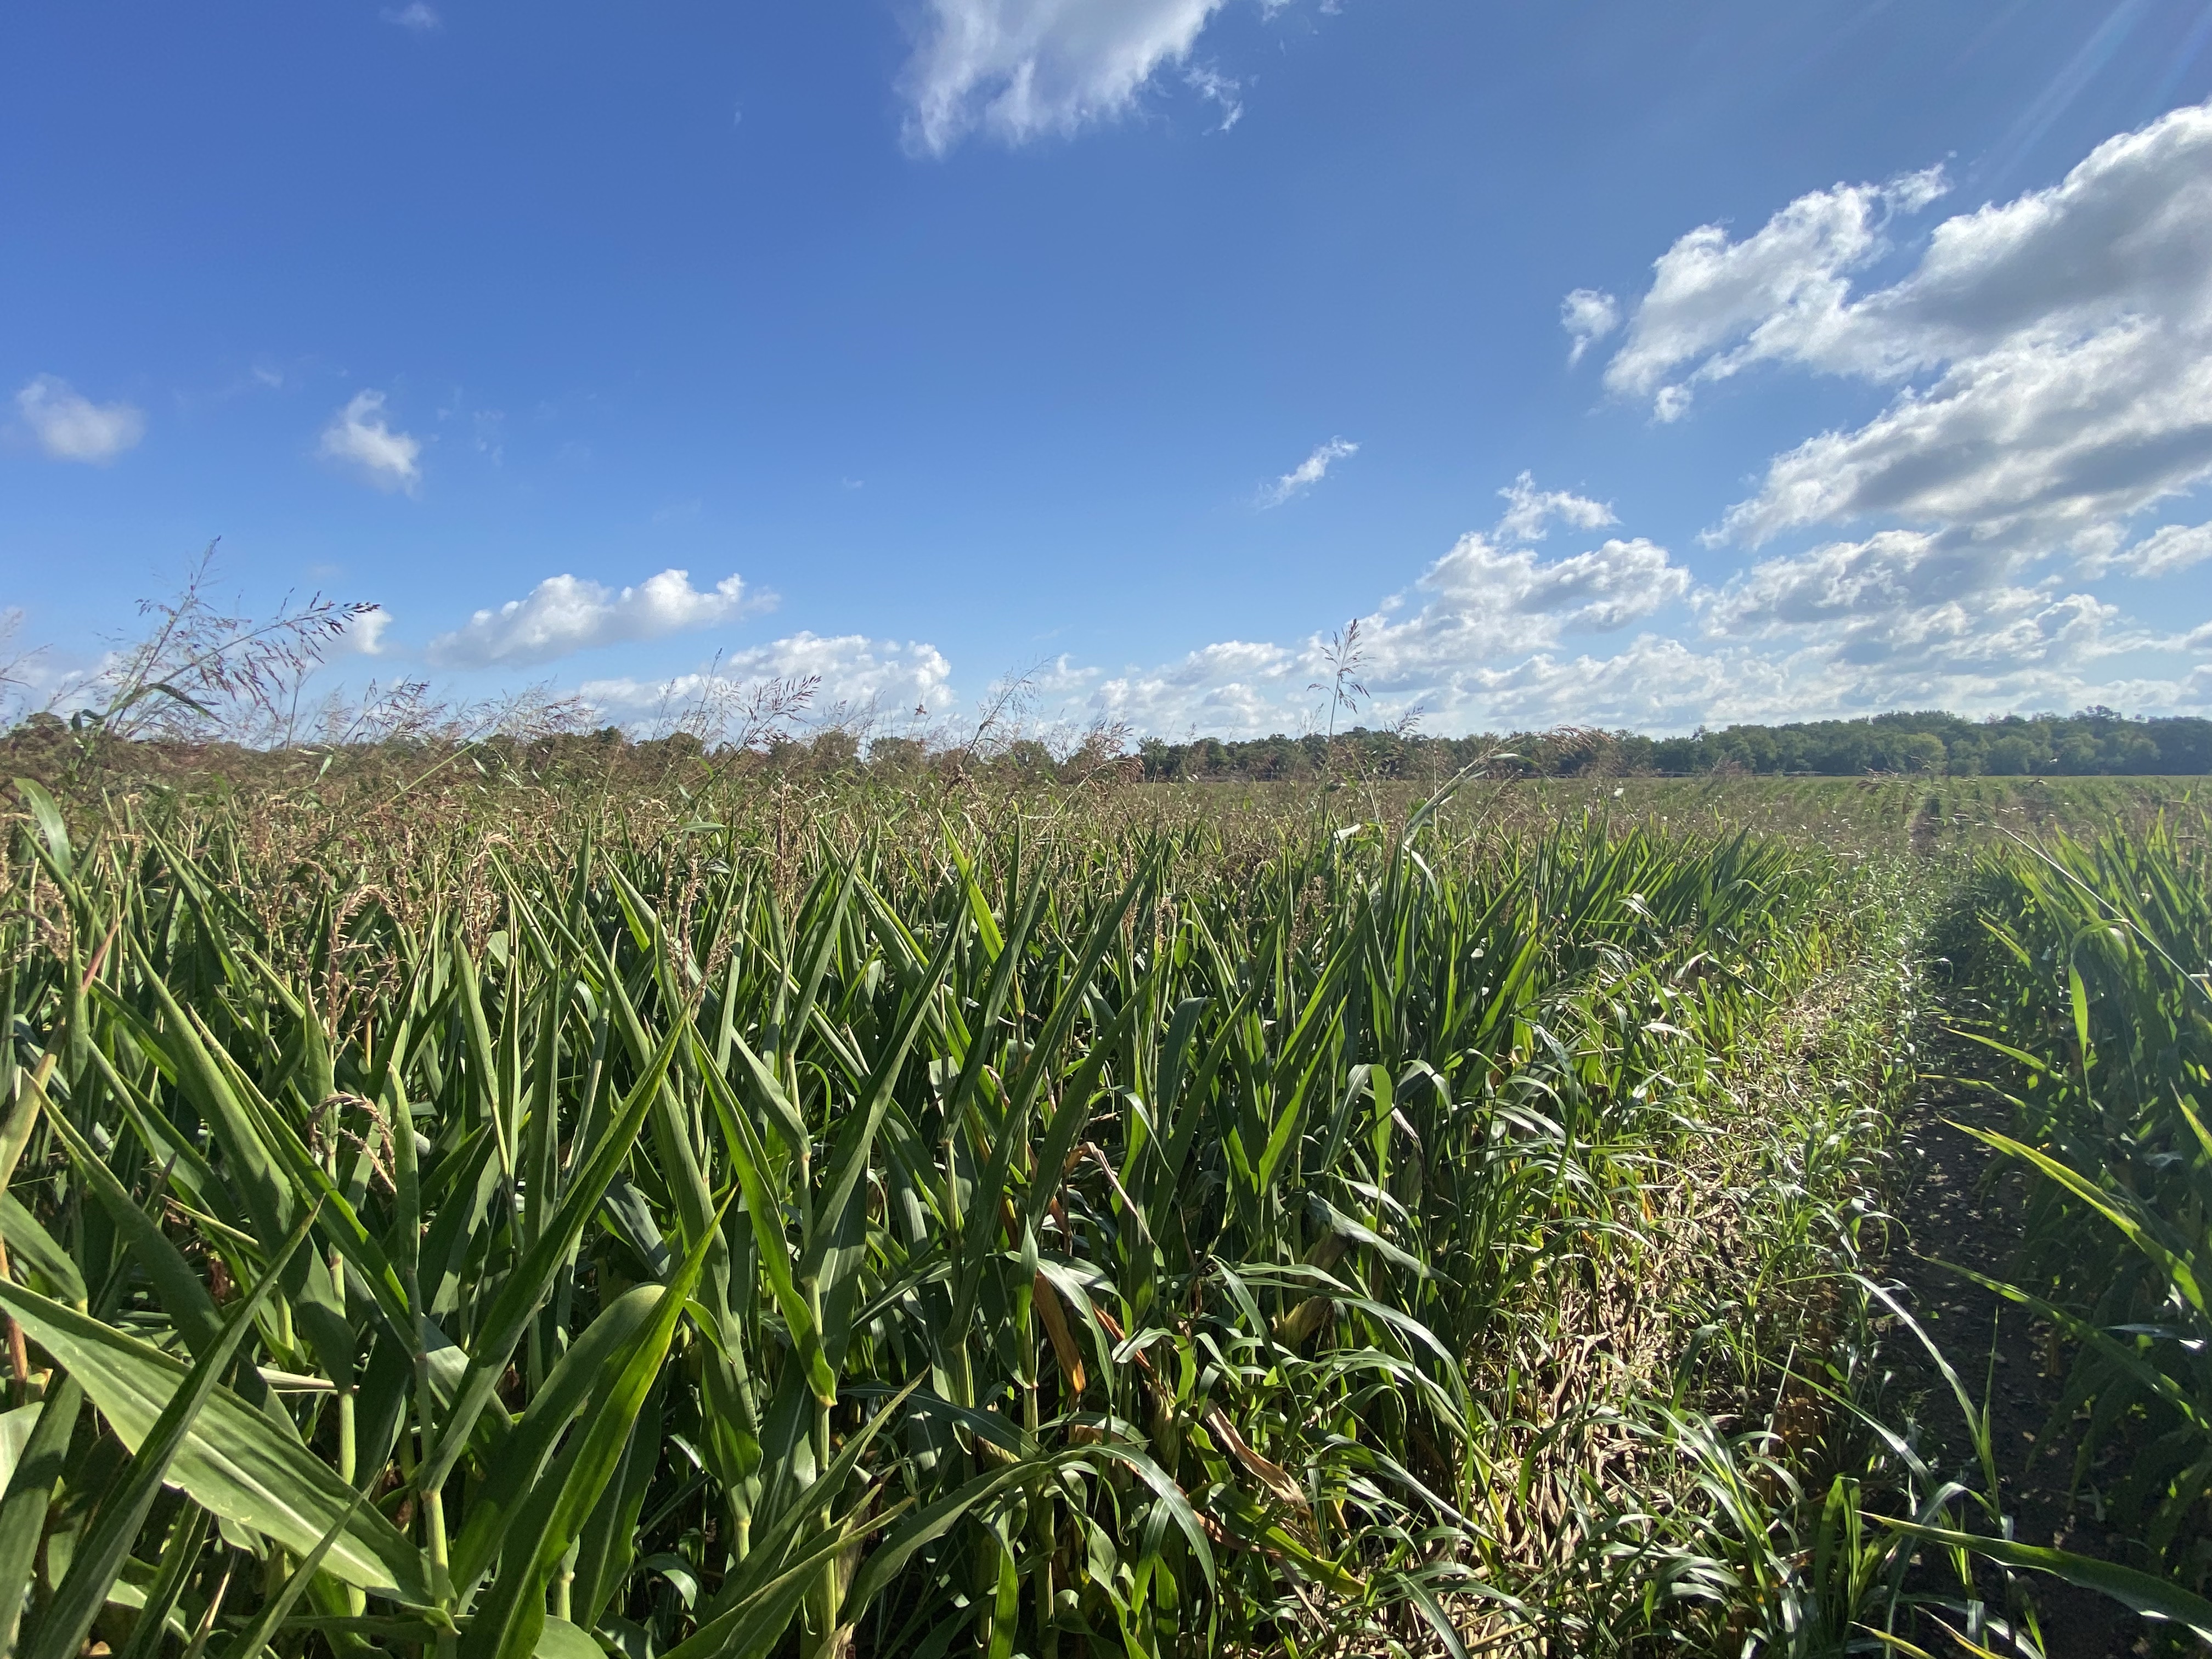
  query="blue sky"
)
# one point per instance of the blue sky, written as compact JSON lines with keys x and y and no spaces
{"x":1614,"y":363}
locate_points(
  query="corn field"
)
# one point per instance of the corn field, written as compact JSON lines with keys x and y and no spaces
{"x":884,"y":1232}
{"x":2091,"y":964}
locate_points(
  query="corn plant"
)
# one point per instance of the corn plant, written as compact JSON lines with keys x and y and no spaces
{"x":2088,"y":962}
{"x":935,"y":1237}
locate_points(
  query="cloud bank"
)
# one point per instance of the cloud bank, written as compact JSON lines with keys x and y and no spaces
{"x":2049,"y":367}
{"x":856,"y":673}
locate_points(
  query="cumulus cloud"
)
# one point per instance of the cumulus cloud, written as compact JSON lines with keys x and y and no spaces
{"x":2055,"y":351}
{"x":2050,"y":358}
{"x":1849,"y":582}
{"x":855,"y":671}
{"x":566,"y":614}
{"x":70,"y":427}
{"x":364,"y":635}
{"x":1494,"y":635}
{"x":1481,"y":587}
{"x":1529,"y":511}
{"x":1020,"y":69}
{"x":416,"y":18}
{"x":2049,"y":366}
{"x":1307,"y":473}
{"x":2048,"y":435}
{"x":1450,"y":645}
{"x":1588,"y":316}
{"x":1778,"y":293}
{"x":359,"y":436}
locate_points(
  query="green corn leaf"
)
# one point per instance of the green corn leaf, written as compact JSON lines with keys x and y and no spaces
{"x":754,"y":1607}
{"x":274,"y":1611}
{"x":859,"y":1137}
{"x":526,"y":1287}
{"x":2140,"y":1592}
{"x":608,"y":1540}
{"x":748,"y":1160}
{"x":2177,"y":1268}
{"x":99,"y":1555}
{"x":559,"y":1639}
{"x":522,"y":1453}
{"x":53,"y":832}
{"x":31,"y":1244}
{"x":232,"y":1461}
{"x":509,"y":1620}
{"x":180,"y":1558}
{"x":182,"y":1297}
{"x":2077,"y":995}
{"x":30,"y":1491}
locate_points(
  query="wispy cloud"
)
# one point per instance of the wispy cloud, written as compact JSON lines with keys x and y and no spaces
{"x":418,"y":18}
{"x":359,"y":436}
{"x":1022,"y":69}
{"x":1219,"y":88}
{"x":1307,"y":473}
{"x":566,"y":614}
{"x":70,"y":427}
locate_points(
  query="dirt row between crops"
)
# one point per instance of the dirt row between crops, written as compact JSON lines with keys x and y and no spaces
{"x":1958,"y":1203}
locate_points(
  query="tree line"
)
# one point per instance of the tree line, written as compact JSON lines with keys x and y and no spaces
{"x":2097,"y":741}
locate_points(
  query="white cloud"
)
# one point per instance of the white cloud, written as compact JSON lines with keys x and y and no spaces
{"x":1529,"y":511}
{"x":1307,"y":473}
{"x":418,"y":18}
{"x":1021,"y":70}
{"x":855,"y":671}
{"x":1493,"y":636}
{"x":358,"y":436}
{"x":1904,"y":602}
{"x":2050,"y":365}
{"x":1588,"y":315}
{"x":1844,"y":583}
{"x":1780,"y":292}
{"x":1481,"y":587}
{"x":70,"y":427}
{"x":1219,"y":88}
{"x":364,"y":635}
{"x":2169,"y":548}
{"x":2052,"y":361}
{"x":2056,"y":349}
{"x":1478,"y":614}
{"x":2053,"y":434}
{"x":565,"y":614}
